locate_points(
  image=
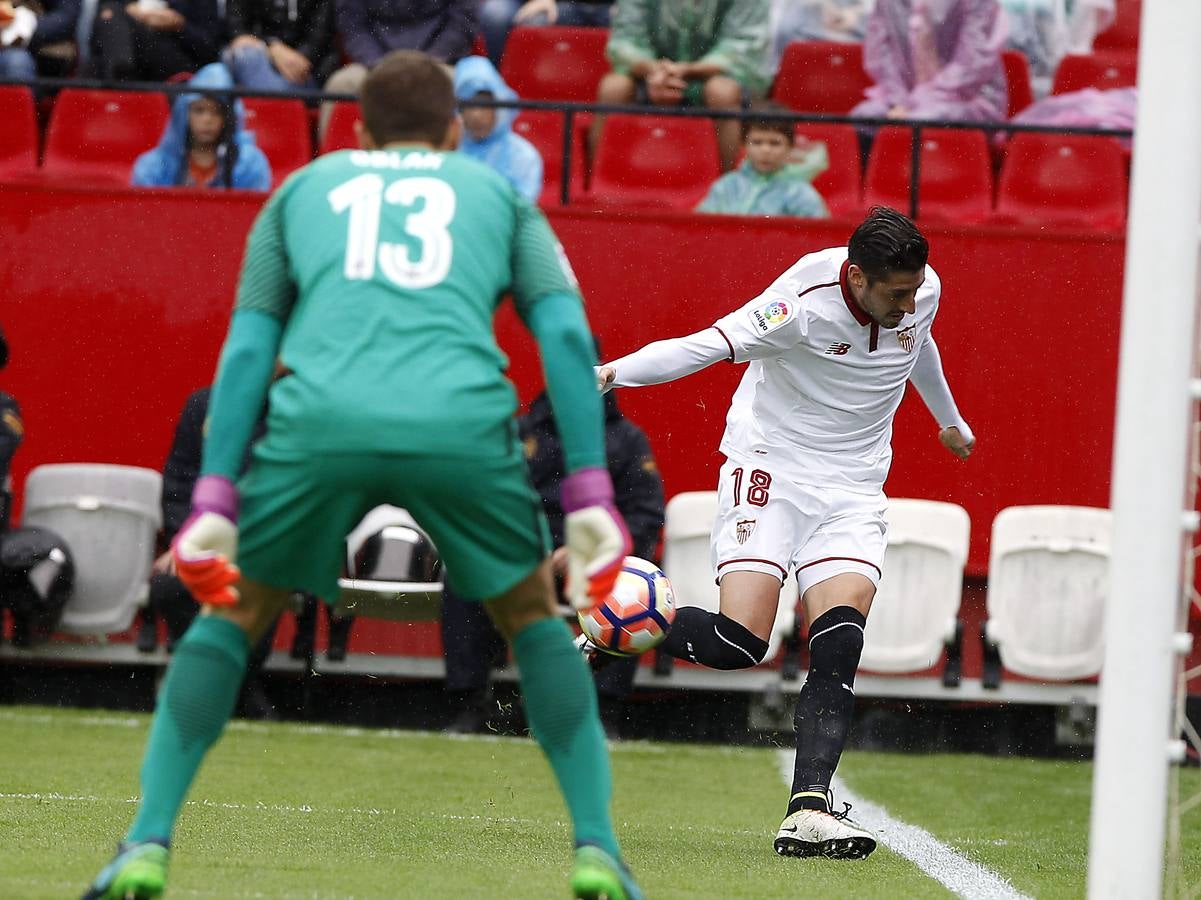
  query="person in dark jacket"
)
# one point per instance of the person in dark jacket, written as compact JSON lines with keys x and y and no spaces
{"x":471,"y":646}
{"x":151,"y":40}
{"x":12,"y":431}
{"x":280,"y":44}
{"x":51,"y":21}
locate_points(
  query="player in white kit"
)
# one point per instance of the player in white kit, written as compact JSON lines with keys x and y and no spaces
{"x":830,"y":346}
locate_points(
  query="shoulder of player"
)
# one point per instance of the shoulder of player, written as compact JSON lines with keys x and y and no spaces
{"x":813,"y":275}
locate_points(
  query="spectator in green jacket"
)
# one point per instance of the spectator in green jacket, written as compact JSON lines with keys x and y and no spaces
{"x":774,"y":179}
{"x":709,"y":53}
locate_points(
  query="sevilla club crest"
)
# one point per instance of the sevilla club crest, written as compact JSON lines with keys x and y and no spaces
{"x":906,"y":338}
{"x":743,"y":529}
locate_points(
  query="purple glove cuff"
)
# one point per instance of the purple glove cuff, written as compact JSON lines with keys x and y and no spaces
{"x":586,"y":487}
{"x":216,"y":494}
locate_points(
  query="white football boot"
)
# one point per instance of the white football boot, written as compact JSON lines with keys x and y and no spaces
{"x":811,"y":832}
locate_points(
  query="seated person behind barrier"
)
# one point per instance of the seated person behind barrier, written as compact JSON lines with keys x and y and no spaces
{"x":668,"y":53}
{"x":935,"y":60}
{"x":816,"y":20}
{"x":774,"y":179}
{"x":204,"y":143}
{"x":471,"y":645}
{"x":12,"y":432}
{"x":152,"y":40}
{"x":27,"y":29}
{"x":488,"y":132}
{"x":497,"y":17}
{"x":280,"y":47}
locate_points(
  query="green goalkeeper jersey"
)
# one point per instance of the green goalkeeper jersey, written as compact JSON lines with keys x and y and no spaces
{"x":385,"y":268}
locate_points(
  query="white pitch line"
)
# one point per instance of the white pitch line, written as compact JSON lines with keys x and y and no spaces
{"x":954,"y":871}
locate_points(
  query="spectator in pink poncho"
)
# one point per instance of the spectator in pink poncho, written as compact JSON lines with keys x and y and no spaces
{"x":935,"y":59}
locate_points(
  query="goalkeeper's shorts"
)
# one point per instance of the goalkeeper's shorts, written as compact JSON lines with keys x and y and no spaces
{"x":481,"y":513}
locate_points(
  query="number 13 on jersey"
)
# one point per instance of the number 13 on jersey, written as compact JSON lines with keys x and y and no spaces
{"x":364,"y":197}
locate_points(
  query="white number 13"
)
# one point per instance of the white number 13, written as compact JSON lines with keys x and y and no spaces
{"x":364,"y":196}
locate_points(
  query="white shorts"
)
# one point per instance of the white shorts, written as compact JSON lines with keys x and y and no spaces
{"x":775,"y":526}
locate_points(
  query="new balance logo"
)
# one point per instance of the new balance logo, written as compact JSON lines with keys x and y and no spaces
{"x":838,"y":348}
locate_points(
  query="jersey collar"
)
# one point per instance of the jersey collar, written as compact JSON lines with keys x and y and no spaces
{"x":849,"y":299}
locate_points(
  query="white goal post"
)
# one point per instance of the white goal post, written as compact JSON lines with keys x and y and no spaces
{"x":1151,"y":460}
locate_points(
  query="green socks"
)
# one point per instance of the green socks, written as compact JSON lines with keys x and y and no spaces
{"x":560,"y":705}
{"x":196,"y":700}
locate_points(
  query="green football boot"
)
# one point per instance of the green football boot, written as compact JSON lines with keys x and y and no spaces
{"x":137,"y":872}
{"x":598,"y":876}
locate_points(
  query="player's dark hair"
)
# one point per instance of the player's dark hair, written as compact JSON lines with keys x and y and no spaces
{"x":887,"y":242}
{"x":780,"y":126}
{"x":408,"y":96}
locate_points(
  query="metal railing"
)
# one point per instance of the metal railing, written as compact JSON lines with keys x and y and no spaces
{"x":571,"y":109}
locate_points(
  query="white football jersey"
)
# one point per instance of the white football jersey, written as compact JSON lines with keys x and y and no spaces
{"x":817,"y":401}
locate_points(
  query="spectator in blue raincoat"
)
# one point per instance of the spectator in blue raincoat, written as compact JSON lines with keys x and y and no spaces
{"x":205,"y":143}
{"x":488,"y":132}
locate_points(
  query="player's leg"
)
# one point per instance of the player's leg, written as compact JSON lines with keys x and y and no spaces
{"x":197,"y":698}
{"x":736,"y":636}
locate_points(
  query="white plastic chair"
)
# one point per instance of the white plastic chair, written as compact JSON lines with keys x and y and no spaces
{"x":109,"y":516}
{"x":687,"y":564}
{"x":403,"y":601}
{"x":1048,"y":577}
{"x":915,"y":612}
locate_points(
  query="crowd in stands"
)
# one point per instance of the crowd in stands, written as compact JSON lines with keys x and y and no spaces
{"x":922,"y":60}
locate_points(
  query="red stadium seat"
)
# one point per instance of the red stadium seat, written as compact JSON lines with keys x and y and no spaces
{"x":97,"y":135}
{"x":1017,"y":80}
{"x":955,"y":181}
{"x":840,"y":184}
{"x":1063,"y":181}
{"x":655,"y":161}
{"x":552,"y":63}
{"x":1100,"y":70}
{"x":339,"y":132}
{"x":1123,"y":33}
{"x":282,"y":131}
{"x":821,"y":77}
{"x":545,"y":131}
{"x":19,"y":137}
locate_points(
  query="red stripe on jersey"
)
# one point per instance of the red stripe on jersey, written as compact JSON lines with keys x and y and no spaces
{"x":818,"y":562}
{"x":727,"y":340}
{"x":767,"y":562}
{"x":817,"y":287}
{"x":849,"y":299}
{"x":874,"y":343}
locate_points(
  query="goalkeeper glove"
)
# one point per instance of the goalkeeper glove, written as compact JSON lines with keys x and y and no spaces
{"x":206,"y":547}
{"x":597,"y":539}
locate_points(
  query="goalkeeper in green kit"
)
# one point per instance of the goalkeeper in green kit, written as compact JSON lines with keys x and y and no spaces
{"x":373,"y":276}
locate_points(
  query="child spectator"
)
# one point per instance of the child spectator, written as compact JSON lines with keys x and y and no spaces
{"x":497,"y":17}
{"x":773,"y":180}
{"x":697,"y":52}
{"x":151,"y":40}
{"x":488,"y":133}
{"x":935,"y":59}
{"x":26,"y":30}
{"x":277,"y":47}
{"x":204,"y":143}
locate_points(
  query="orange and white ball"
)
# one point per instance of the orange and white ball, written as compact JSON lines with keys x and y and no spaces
{"x":637,"y":615}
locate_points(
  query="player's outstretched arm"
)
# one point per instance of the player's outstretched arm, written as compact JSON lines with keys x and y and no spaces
{"x":665,"y":361}
{"x":931,"y":383}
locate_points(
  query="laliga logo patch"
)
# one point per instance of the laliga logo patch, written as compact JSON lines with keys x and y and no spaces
{"x":770,"y":316}
{"x":743,"y":529}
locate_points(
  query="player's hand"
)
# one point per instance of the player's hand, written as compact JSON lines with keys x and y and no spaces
{"x":958,"y":443}
{"x":605,"y":376}
{"x":206,"y":547}
{"x":597,"y":539}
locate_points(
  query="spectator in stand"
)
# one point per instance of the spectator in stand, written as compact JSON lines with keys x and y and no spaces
{"x":470,"y":643}
{"x":445,"y":29}
{"x":774,"y":179}
{"x":843,"y":21}
{"x":151,"y":40}
{"x":497,"y":18}
{"x":1045,"y":30}
{"x":711,"y":53}
{"x":204,"y":143}
{"x":935,"y":59}
{"x":488,"y":132}
{"x":280,"y":46}
{"x":12,"y":432}
{"x":26,"y":30}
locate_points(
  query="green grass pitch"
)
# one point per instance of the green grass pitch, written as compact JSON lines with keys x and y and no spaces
{"x":286,"y":810}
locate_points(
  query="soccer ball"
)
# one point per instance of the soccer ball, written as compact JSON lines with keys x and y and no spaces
{"x":636,"y":616}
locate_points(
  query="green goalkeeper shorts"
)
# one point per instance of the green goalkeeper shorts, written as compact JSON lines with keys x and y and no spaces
{"x":481,"y":513}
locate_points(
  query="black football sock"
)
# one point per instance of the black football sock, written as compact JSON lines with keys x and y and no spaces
{"x":713,"y":640}
{"x":823,"y":710}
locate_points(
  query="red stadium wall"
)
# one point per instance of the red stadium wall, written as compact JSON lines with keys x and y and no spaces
{"x":115,"y":304}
